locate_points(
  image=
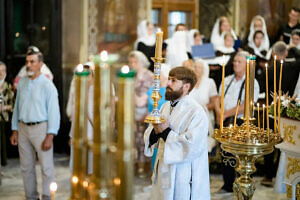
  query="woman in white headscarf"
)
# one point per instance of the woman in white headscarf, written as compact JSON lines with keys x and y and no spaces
{"x":145,"y":34}
{"x":145,"y":42}
{"x":177,"y":49}
{"x":222,"y":25}
{"x":205,"y":92}
{"x":227,"y":47}
{"x":258,"y":23}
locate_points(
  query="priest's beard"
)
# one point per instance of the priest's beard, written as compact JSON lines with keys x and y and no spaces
{"x":172,"y":95}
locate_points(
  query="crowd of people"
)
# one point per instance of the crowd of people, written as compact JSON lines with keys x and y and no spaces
{"x":178,"y":52}
{"x":190,"y":90}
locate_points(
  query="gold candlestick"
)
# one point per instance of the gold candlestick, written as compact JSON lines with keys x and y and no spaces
{"x":275,"y":97}
{"x":125,"y":126}
{"x":279,"y":95}
{"x":80,"y":132}
{"x":222,"y":95}
{"x":246,"y":142}
{"x":155,"y":117}
{"x":267,"y":100}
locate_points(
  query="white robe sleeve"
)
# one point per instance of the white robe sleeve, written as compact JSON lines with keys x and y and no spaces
{"x":148,"y":151}
{"x":186,"y":146}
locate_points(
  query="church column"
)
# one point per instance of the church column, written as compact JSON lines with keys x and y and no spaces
{"x":84,"y":17}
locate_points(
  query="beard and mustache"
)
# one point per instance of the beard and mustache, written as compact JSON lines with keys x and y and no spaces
{"x":172,"y":95}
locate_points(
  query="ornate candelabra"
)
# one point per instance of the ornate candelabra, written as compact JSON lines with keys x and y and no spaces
{"x":246,"y":142}
{"x":155,"y":117}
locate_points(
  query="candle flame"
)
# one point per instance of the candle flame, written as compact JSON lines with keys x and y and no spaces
{"x":263,"y":105}
{"x":79,"y":68}
{"x":257,"y":104}
{"x":75,"y":179}
{"x":85,"y":184}
{"x":223,"y":59}
{"x":281,"y":61}
{"x":266,"y":65}
{"x":53,"y":187}
{"x":159,"y":30}
{"x":104,"y":56}
{"x":117,"y":181}
{"x":125,"y":69}
{"x":248,"y":61}
{"x":275,"y":57}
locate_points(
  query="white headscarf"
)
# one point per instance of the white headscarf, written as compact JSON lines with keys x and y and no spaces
{"x":265,"y":45}
{"x":216,"y":38}
{"x":222,"y":48}
{"x":177,"y":49}
{"x":191,"y":36}
{"x":143,"y":36}
{"x":142,"y":59}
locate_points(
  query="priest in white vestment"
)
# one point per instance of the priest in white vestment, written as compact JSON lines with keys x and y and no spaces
{"x":181,"y":166}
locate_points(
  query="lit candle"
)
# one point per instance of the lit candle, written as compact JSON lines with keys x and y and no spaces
{"x":267,"y":100}
{"x":236,"y":113}
{"x":263,"y":116}
{"x":159,"y":42}
{"x":275,"y":97}
{"x":279,"y":94}
{"x":53,"y":188}
{"x":222,"y":95}
{"x":258,"y":120}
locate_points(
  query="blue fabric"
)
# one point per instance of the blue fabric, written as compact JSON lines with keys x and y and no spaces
{"x":153,"y":158}
{"x":36,"y":101}
{"x":162,"y":92}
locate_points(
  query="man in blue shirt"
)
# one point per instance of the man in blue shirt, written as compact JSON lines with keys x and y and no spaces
{"x":35,"y":121}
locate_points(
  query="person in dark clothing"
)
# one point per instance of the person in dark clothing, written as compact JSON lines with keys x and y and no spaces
{"x":284,"y":32}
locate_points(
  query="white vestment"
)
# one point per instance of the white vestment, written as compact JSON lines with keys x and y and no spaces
{"x":181,"y":166}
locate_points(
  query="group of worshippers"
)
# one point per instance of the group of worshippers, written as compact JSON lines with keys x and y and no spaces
{"x":190,"y":104}
{"x":176,"y":144}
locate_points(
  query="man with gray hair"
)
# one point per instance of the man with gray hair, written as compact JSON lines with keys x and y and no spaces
{"x":234,"y":87}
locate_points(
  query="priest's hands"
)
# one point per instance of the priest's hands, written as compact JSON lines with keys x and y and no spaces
{"x":159,"y":128}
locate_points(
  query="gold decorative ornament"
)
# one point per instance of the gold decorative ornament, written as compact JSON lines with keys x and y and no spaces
{"x":288,"y":134}
{"x":293,"y":166}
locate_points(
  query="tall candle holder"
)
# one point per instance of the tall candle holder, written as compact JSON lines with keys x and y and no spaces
{"x":246,"y":142}
{"x":155,"y":116}
{"x":79,"y":140}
